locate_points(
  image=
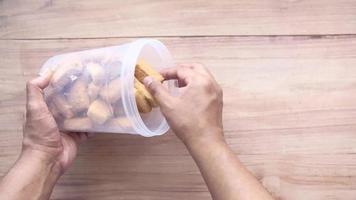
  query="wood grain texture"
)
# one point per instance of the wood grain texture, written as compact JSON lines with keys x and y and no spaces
{"x":137,"y":18}
{"x":289,"y":114}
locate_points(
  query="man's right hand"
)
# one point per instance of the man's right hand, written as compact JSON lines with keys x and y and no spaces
{"x":195,"y":116}
{"x":196,"y":113}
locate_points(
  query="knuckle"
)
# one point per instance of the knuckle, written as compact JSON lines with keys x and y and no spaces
{"x":210,"y":87}
{"x":181,"y":67}
{"x":184,"y":72}
{"x":27,"y":142}
{"x":35,"y":107}
{"x":205,"y":83}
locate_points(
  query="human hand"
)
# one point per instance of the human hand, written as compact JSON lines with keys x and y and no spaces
{"x":196,"y":113}
{"x":42,"y":137}
{"x":195,"y":116}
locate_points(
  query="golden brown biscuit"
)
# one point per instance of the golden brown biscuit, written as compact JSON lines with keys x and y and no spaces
{"x":99,"y":111}
{"x":78,"y":96}
{"x":112,"y":91}
{"x":142,"y":104}
{"x":62,"y":105}
{"x":64,"y":72}
{"x":93,"y":91}
{"x":140,"y":87}
{"x":143,"y":69}
{"x":78,"y":124}
{"x":97,"y":73}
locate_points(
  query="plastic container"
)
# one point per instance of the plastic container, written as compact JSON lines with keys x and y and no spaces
{"x":93,"y":90}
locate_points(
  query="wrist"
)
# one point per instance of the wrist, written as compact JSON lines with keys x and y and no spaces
{"x":208,"y":137}
{"x":32,"y":177}
{"x":43,"y":160}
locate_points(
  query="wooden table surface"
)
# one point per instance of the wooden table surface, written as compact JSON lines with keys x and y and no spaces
{"x":287,"y":68}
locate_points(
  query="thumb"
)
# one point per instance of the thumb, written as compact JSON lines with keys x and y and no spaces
{"x":36,"y":106}
{"x":158,"y":91}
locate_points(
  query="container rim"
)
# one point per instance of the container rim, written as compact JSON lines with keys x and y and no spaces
{"x":128,"y":69}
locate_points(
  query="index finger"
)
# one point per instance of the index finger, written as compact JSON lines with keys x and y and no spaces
{"x":182,"y":74}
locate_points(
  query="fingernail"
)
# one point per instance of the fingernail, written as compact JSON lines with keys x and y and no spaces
{"x":147,"y":80}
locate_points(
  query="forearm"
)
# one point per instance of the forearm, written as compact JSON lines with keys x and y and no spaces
{"x":224,"y":174}
{"x":32,"y":177}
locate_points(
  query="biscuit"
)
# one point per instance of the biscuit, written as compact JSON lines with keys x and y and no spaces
{"x":64,"y":73}
{"x":140,"y":87}
{"x":62,"y":105}
{"x":49,"y":91}
{"x":99,"y":111}
{"x":54,"y":110}
{"x":142,"y":70}
{"x":78,"y":124}
{"x":112,"y":91}
{"x":113,"y":69}
{"x":142,"y":104}
{"x":78,"y":96}
{"x":93,"y":91}
{"x":119,"y":122}
{"x":96,"y":72}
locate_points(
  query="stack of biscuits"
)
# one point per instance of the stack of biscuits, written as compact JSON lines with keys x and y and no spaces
{"x":86,"y":96}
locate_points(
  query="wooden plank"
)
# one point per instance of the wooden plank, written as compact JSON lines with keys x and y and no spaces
{"x":289,"y":113}
{"x":110,"y":18}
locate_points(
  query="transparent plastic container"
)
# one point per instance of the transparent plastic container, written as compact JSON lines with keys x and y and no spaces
{"x":93,"y":90}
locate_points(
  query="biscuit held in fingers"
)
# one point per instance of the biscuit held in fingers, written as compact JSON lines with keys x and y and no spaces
{"x":62,"y":105}
{"x":112,"y":91}
{"x":142,"y":104}
{"x":142,"y":70}
{"x":140,"y":87}
{"x":158,"y":91}
{"x":78,"y":96}
{"x":97,"y":73}
{"x":99,"y":111}
{"x":78,"y":124}
{"x":64,"y":72}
